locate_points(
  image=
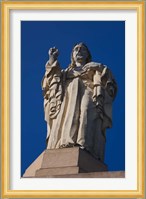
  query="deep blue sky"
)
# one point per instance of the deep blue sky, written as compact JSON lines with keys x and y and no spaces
{"x":106,"y":42}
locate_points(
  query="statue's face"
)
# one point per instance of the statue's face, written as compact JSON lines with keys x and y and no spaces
{"x":80,"y":54}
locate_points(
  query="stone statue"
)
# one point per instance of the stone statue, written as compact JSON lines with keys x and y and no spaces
{"x":78,"y":102}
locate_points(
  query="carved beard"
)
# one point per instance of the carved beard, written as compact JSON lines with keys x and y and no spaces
{"x":80,"y":58}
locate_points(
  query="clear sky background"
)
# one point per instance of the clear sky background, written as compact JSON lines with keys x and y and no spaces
{"x":106,"y":42}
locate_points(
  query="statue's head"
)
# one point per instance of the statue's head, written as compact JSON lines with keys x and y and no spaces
{"x":81,"y":54}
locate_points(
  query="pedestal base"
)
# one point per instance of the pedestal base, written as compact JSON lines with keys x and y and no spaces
{"x":66,"y":161}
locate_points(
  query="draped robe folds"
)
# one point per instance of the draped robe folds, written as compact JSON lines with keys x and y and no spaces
{"x":71,"y":106}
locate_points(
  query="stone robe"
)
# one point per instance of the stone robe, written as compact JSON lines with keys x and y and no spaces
{"x":78,"y":106}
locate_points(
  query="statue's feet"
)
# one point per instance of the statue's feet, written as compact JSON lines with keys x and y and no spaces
{"x":69,"y":145}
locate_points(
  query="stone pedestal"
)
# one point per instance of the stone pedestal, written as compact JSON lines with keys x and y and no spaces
{"x":64,"y":162}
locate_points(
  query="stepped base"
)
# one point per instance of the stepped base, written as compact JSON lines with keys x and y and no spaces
{"x":68,"y":163}
{"x":103,"y":174}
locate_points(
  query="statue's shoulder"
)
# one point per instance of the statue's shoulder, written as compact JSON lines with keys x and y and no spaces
{"x":94,"y":66}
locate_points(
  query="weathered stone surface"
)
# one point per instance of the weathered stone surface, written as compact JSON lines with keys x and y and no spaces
{"x":104,"y":174}
{"x":57,"y":171}
{"x":64,"y":161}
{"x":69,"y":157}
{"x":60,"y":158}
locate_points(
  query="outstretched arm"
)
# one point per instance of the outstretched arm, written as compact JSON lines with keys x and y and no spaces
{"x":52,"y":84}
{"x":52,"y":67}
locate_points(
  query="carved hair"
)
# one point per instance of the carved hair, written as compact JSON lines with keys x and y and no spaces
{"x":72,"y":65}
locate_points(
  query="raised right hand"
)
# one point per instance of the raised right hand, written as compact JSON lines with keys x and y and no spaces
{"x":53,"y":53}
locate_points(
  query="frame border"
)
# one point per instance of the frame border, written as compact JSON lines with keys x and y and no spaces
{"x":5,"y":113}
